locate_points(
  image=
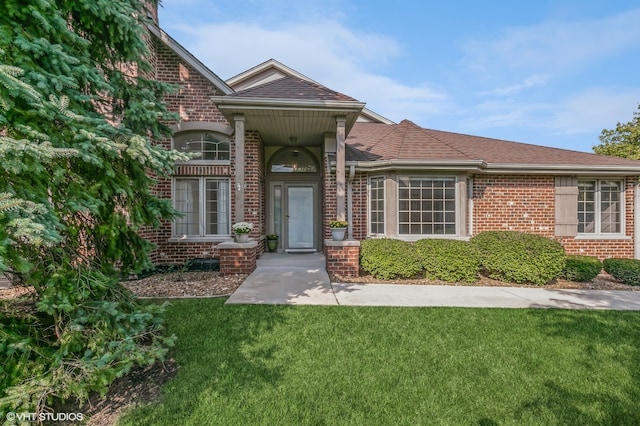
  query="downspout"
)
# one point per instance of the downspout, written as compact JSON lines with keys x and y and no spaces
{"x":352,"y":173}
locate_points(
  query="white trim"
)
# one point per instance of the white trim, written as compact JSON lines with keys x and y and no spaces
{"x":186,"y":239}
{"x":415,"y":237}
{"x":192,"y":126}
{"x":241,"y":103}
{"x":617,"y":237}
{"x":483,"y":167}
{"x":598,"y":211}
{"x":202,"y":128}
{"x":384,"y":202}
{"x":203,"y":237}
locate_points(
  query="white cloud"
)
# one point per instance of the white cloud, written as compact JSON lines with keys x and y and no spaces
{"x":554,"y":45}
{"x":325,"y":51}
{"x":593,"y":110}
{"x":585,"y":112}
{"x":528,"y":83}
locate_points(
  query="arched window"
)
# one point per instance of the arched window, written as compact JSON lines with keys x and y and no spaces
{"x":293,"y":160}
{"x":211,"y":146}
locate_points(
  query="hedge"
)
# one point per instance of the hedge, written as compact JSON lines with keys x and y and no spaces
{"x":581,"y":268}
{"x":519,"y":257}
{"x":625,"y":270}
{"x":386,"y":258}
{"x":449,"y":260}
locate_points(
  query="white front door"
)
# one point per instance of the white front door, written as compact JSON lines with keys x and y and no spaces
{"x":300,"y":217}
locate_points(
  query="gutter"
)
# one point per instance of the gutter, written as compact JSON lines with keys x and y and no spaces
{"x":480,"y":166}
{"x":561,"y":169}
{"x":269,"y":103}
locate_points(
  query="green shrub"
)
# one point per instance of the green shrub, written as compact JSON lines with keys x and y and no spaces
{"x":387,"y":258}
{"x":625,"y":270}
{"x":518,"y":257}
{"x":581,"y":268}
{"x":449,"y":260}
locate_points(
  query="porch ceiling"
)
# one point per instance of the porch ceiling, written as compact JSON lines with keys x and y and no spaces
{"x":296,"y":124}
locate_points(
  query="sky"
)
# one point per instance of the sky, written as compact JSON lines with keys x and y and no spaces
{"x":546,"y":72}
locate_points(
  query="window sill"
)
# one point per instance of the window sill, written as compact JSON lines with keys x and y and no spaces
{"x":213,"y":239}
{"x":204,"y":163}
{"x":602,"y":237}
{"x":413,"y":238}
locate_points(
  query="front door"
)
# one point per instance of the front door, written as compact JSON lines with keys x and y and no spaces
{"x":300,"y":217}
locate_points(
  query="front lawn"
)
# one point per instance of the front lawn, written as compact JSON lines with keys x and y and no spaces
{"x":341,"y":365}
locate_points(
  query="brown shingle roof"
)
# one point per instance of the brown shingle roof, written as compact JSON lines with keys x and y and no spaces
{"x":406,"y":140}
{"x":293,"y":88}
{"x":403,"y":141}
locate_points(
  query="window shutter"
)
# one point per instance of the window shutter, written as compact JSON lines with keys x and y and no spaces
{"x":566,"y":206}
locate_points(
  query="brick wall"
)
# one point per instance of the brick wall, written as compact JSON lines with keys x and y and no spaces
{"x":604,"y":249}
{"x":329,"y":208}
{"x":514,"y":203}
{"x":343,"y":258}
{"x":254,"y":203}
{"x":192,"y":103}
{"x":238,"y":258}
{"x":527,"y":204}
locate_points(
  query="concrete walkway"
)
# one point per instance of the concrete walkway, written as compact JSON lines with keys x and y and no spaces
{"x":301,"y":279}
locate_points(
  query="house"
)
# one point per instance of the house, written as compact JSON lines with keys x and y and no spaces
{"x":289,"y":155}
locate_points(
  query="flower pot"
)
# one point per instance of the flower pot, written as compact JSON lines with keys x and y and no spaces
{"x":272,"y":245}
{"x":338,"y":233}
{"x":242,"y":238}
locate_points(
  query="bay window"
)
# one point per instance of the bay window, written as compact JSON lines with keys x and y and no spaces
{"x":427,"y":206}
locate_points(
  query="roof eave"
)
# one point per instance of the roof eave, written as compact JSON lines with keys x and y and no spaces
{"x":184,"y":54}
{"x":561,"y":169}
{"x":227,"y":102}
{"x":496,"y":168}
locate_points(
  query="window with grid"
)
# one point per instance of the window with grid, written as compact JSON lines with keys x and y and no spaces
{"x":205,"y":207}
{"x":600,"y":206}
{"x":376,"y":205}
{"x":210,"y":146}
{"x":426,"y":206}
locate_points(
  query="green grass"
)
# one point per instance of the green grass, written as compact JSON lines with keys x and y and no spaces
{"x":241,"y":365}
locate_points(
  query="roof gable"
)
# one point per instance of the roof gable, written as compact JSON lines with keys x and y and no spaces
{"x":272,"y":70}
{"x":403,"y":141}
{"x":292,"y":88}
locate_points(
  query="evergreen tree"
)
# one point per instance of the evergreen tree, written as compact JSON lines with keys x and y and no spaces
{"x":623,"y":141}
{"x":77,"y":115}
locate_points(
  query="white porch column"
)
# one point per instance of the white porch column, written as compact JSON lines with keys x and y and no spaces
{"x":239,"y":166}
{"x":340,"y":168}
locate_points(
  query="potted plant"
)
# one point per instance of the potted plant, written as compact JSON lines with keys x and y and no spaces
{"x":272,"y":242}
{"x":242,"y":230}
{"x":338,"y":229}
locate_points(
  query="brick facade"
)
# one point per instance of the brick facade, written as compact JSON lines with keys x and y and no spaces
{"x":514,"y":203}
{"x":604,"y":249}
{"x":527,"y":204}
{"x":523,"y":203}
{"x":238,"y":258}
{"x":343,"y":258}
{"x":192,"y":103}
